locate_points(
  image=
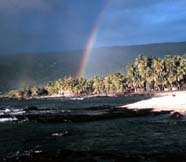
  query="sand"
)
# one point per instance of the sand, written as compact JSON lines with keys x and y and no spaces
{"x":169,"y":101}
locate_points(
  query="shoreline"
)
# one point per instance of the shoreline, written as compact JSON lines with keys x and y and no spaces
{"x":80,"y":96}
{"x":131,"y":94}
{"x":174,"y":101}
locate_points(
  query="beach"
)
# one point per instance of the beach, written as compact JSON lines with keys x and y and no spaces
{"x":166,"y":101}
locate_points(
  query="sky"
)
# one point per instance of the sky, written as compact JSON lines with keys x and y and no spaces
{"x":61,"y":25}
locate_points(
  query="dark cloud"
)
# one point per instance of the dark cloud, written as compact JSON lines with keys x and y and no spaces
{"x":56,"y":25}
{"x":45,"y":25}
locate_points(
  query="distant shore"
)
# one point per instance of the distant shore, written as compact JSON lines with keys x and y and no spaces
{"x":83,"y":96}
{"x":174,"y":101}
{"x":130,"y":94}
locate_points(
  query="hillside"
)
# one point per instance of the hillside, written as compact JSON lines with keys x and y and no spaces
{"x":21,"y":69}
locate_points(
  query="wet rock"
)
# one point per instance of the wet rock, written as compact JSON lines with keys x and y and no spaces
{"x":32,"y":108}
{"x":176,"y":115}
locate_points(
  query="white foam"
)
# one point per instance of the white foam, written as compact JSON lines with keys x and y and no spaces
{"x":8,"y":119}
{"x":7,"y":110}
{"x":38,"y":151}
{"x":17,"y":112}
{"x":78,"y":98}
{"x":12,"y":111}
{"x":59,"y":134}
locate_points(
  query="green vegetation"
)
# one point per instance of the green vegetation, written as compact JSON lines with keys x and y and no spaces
{"x":17,"y":70}
{"x":146,"y":74}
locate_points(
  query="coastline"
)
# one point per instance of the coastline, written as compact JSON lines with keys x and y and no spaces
{"x":80,"y":96}
{"x":174,"y":101}
{"x":131,"y":94}
{"x":58,"y":97}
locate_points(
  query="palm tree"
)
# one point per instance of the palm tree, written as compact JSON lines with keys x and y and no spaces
{"x":158,"y":72}
{"x":107,"y":81}
{"x":97,"y":85}
{"x":134,"y":80}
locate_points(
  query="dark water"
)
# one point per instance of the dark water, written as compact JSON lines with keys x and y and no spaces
{"x":134,"y":138}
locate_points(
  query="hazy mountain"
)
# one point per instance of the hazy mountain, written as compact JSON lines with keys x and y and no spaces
{"x":21,"y":69}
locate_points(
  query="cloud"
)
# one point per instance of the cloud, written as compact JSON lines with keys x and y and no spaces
{"x":20,"y":4}
{"x":132,"y":4}
{"x":46,"y":25}
{"x":139,"y":22}
{"x":67,"y":24}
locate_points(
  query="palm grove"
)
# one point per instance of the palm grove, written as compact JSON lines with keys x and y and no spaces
{"x":145,"y":74}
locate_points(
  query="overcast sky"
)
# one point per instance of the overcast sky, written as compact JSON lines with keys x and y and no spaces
{"x":58,"y":25}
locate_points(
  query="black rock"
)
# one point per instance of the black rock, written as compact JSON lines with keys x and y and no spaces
{"x":32,"y":108}
{"x":176,"y":115}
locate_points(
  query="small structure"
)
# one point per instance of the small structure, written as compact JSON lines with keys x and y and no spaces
{"x":139,"y":90}
{"x":174,"y":88}
{"x":166,"y":89}
{"x":60,"y":92}
{"x":67,"y":93}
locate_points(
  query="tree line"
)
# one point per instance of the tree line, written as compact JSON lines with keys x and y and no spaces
{"x":145,"y":74}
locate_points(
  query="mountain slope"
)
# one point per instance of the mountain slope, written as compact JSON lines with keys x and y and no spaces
{"x":21,"y":69}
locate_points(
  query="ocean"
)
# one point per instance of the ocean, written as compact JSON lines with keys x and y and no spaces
{"x":90,"y":129}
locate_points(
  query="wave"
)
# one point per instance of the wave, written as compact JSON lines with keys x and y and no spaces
{"x":11,"y":111}
{"x":60,"y":134}
{"x":8,"y":119}
{"x":77,"y":98}
{"x":104,"y":112}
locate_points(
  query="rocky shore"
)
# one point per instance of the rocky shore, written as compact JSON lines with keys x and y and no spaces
{"x":104,"y":112}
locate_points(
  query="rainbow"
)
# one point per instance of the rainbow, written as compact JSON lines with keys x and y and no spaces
{"x":89,"y":45}
{"x":87,"y":52}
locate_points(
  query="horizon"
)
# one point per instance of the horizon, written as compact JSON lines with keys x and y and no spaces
{"x":95,"y":48}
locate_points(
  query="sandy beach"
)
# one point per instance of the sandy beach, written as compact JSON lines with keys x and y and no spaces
{"x":173,"y":101}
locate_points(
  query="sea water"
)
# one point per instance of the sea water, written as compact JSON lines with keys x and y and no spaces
{"x":157,"y":134}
